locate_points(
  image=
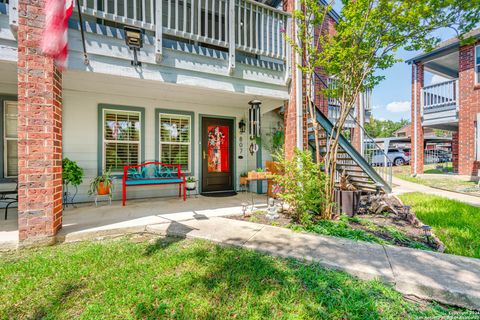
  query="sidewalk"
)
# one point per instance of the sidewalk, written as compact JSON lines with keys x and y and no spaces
{"x":402,"y":186}
{"x":441,"y":277}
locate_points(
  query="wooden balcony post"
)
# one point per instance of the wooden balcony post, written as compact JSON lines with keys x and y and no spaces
{"x":231,"y":36}
{"x":158,"y":31}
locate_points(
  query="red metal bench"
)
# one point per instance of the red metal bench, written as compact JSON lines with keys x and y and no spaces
{"x":153,"y":174}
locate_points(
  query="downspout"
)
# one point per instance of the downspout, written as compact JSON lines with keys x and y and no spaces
{"x":415,"y":156}
{"x":298,"y":88}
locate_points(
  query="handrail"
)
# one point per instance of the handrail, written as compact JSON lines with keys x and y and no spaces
{"x":374,"y":151}
{"x":352,"y":152}
{"x":440,"y":95}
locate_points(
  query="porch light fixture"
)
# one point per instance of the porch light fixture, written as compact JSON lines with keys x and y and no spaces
{"x":242,"y":126}
{"x":134,"y":41}
{"x":254,"y":118}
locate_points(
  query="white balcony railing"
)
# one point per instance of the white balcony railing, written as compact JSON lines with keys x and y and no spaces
{"x":440,"y":97}
{"x":242,"y":25}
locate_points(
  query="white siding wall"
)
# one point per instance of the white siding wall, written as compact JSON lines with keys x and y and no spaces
{"x":80,"y":127}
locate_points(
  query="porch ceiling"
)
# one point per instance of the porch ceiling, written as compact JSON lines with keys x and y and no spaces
{"x":444,"y":65}
{"x":120,"y":86}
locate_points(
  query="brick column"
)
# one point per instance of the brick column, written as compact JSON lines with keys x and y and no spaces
{"x":455,"y":152}
{"x":417,"y":147}
{"x":355,"y":132}
{"x":290,"y":116}
{"x":469,"y":107}
{"x":39,"y":132}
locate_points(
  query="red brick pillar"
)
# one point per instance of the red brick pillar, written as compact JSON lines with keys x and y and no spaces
{"x":469,"y":107}
{"x":39,"y":132}
{"x":290,"y":116}
{"x":417,"y":147}
{"x":455,"y":152}
{"x":356,"y":131}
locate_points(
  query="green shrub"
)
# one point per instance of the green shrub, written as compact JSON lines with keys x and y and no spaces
{"x":71,"y":172}
{"x":303,"y":186}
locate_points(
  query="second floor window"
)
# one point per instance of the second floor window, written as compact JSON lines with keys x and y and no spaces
{"x":121,"y":139}
{"x":477,"y":64}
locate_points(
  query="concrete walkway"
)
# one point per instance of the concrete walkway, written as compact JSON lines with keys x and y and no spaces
{"x":441,"y":277}
{"x":402,"y":186}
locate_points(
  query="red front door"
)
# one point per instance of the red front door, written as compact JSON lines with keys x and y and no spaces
{"x":217,"y":155}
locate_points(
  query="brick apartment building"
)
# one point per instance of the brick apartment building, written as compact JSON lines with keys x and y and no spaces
{"x":453,"y":104}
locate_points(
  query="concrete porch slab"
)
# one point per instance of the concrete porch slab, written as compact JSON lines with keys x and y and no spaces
{"x":220,"y":230}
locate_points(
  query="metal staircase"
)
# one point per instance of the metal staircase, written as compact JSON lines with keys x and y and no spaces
{"x":359,"y":167}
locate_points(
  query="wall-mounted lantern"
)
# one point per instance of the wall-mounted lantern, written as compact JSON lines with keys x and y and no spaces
{"x":134,"y":41}
{"x":254,"y":119}
{"x":242,"y":126}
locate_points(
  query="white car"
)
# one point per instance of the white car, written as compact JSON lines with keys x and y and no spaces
{"x":397,"y":157}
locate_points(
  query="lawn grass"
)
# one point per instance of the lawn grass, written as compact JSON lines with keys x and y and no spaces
{"x":455,"y":223}
{"x":185,"y":279}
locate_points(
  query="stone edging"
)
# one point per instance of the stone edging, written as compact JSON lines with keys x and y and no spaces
{"x":412,"y":218}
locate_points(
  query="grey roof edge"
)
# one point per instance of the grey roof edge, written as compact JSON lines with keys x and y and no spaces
{"x":448,"y":44}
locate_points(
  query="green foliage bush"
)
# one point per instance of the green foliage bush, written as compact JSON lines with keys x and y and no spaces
{"x":303,"y":186}
{"x":71,"y":172}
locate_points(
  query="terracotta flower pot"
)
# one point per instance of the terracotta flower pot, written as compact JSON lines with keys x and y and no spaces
{"x":252,"y":175}
{"x":103,"y":189}
{"x":243,"y":180}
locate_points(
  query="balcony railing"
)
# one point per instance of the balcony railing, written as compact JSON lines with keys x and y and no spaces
{"x":242,"y":25}
{"x":440,"y":96}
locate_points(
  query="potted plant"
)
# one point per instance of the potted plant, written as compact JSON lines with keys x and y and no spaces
{"x":348,"y":197}
{"x":252,"y":174}
{"x":261,"y":174}
{"x":102,"y":185}
{"x":191,"y":183}
{"x":243,"y":178}
{"x":72,"y":174}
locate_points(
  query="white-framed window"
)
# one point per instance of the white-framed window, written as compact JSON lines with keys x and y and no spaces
{"x":477,"y":64}
{"x":10,"y":139}
{"x":175,"y":136}
{"x":122,"y":136}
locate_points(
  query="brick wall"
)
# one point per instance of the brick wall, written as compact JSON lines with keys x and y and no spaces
{"x":39,"y":131}
{"x":469,"y":107}
{"x":419,"y":146}
{"x":455,"y":152}
{"x":290,"y":116}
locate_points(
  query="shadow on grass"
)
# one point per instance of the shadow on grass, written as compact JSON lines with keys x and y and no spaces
{"x":244,"y":284}
{"x":67,"y":290}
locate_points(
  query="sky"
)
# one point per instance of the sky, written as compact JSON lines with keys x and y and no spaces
{"x":392,"y":97}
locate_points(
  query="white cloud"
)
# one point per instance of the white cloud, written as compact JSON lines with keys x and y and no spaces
{"x":437,"y":79}
{"x":399,"y":106}
{"x":376,"y":107}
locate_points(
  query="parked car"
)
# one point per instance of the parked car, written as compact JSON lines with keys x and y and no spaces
{"x":397,"y":157}
{"x":444,"y":156}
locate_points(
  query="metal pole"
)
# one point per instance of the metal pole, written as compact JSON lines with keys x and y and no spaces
{"x":415,"y":156}
{"x":80,"y":20}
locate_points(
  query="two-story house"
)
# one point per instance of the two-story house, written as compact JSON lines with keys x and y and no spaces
{"x":197,"y":68}
{"x":453,"y":104}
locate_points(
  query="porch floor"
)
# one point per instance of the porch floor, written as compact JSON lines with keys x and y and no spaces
{"x":85,"y":218}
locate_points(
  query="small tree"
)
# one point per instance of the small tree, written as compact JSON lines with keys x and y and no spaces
{"x":302,"y":182}
{"x":367,"y":36}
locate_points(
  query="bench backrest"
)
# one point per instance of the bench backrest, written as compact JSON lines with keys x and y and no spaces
{"x":152,"y":170}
